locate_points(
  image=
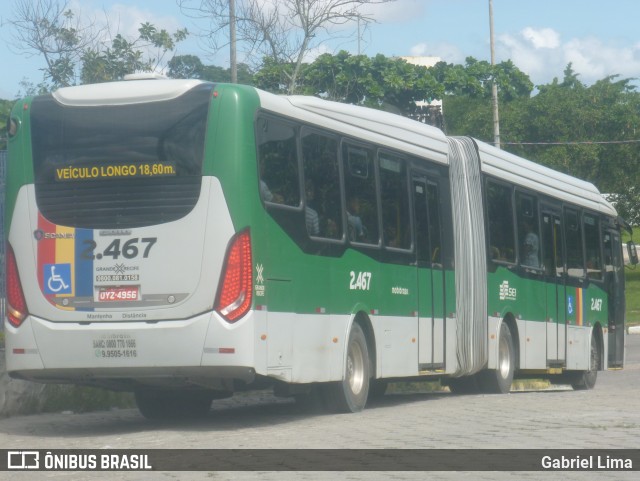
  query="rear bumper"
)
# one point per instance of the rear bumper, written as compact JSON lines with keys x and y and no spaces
{"x":200,"y":351}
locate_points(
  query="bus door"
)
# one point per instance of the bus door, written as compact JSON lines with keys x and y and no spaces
{"x":614,"y":286}
{"x":431,"y":285}
{"x":554,"y":265}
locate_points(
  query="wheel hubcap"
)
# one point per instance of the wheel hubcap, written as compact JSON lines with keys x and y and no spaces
{"x":355,"y":368}
{"x":504,"y":364}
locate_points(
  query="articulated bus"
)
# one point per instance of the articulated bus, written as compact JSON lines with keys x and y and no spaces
{"x":185,"y":240}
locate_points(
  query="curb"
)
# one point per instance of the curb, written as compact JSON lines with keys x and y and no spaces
{"x":633,"y":330}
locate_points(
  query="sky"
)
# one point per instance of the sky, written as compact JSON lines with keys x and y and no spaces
{"x":600,"y":38}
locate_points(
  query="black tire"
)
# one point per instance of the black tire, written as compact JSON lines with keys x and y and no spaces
{"x":161,"y":405}
{"x":498,"y":381}
{"x":350,"y":394}
{"x":583,"y":380}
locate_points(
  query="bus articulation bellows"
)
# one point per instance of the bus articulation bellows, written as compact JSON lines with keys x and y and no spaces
{"x":184,"y":240}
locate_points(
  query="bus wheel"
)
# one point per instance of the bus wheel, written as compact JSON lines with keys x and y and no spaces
{"x":587,"y":379}
{"x":498,"y":381}
{"x":350,"y":394}
{"x":160,"y":405}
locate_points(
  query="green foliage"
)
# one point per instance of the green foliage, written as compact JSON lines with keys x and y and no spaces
{"x":190,"y":66}
{"x":379,"y":82}
{"x":128,"y":56}
{"x":66,"y":39}
{"x":577,"y":129}
{"x":590,"y":120}
{"x":5,"y":110}
{"x":632,"y":285}
{"x":72,"y":49}
{"x":475,"y":78}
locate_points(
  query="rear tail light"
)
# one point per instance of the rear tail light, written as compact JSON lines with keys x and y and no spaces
{"x":236,"y":282}
{"x":16,"y":304}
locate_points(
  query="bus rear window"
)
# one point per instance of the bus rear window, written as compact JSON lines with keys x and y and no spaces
{"x":122,"y":165}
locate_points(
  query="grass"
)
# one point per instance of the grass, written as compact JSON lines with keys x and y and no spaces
{"x":81,"y":399}
{"x":632,"y":278}
{"x":423,"y":387}
{"x":632,"y":284}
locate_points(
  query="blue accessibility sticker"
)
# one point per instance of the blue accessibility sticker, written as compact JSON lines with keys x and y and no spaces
{"x":57,"y":278}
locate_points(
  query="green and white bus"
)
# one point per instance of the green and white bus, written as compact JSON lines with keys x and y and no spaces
{"x":185,"y":240}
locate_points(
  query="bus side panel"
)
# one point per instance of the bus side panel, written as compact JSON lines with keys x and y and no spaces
{"x":524,"y":299}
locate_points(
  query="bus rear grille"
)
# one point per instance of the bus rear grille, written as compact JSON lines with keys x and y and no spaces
{"x":126,"y":203}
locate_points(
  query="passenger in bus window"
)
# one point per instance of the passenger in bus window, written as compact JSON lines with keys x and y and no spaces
{"x":311,"y":215}
{"x":530,"y":247}
{"x":265,"y":192}
{"x":357,"y":231}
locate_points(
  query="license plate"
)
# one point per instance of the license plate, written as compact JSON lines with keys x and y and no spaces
{"x":118,"y":294}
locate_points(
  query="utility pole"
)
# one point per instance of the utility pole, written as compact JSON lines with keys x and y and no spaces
{"x":232,"y":42}
{"x":494,"y":86}
{"x":358,"y":34}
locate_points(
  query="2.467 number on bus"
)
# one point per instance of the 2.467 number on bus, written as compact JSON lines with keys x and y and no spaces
{"x":130,"y":249}
{"x":360,"y":281}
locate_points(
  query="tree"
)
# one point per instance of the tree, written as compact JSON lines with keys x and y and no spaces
{"x":72,"y":49}
{"x":283,"y":31}
{"x":591,"y":132}
{"x":5,"y":110}
{"x":128,"y":56}
{"x":190,"y":66}
{"x":474,"y":79}
{"x":49,"y":28}
{"x":380,"y":82}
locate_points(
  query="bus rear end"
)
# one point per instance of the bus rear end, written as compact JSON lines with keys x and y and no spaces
{"x":124,"y":269}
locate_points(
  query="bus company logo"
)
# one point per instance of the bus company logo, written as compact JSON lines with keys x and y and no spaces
{"x":507,"y":293}
{"x":259,"y":287}
{"x":23,"y":460}
{"x":40,"y":234}
{"x":259,"y":270}
{"x":117,"y":269}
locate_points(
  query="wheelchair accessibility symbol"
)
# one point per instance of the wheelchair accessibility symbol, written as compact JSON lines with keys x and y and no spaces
{"x":57,"y":278}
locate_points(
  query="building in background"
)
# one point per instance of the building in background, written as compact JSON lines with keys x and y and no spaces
{"x":428,"y":111}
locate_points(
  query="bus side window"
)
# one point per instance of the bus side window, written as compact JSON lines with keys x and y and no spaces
{"x":395,"y":201}
{"x":528,"y":230}
{"x":592,"y":244}
{"x":500,"y":215}
{"x":573,"y":239}
{"x":362,"y":199}
{"x":278,"y":162}
{"x":323,"y":204}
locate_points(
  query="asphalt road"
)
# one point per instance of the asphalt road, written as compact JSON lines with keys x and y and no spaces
{"x":605,"y":417}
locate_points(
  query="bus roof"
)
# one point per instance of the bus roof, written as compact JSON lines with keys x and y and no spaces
{"x":423,"y":140}
{"x":127,"y":92}
{"x":383,"y":128}
{"x":539,"y":178}
{"x":377,"y":126}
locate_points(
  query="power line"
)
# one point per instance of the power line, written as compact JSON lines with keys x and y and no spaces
{"x":586,"y":142}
